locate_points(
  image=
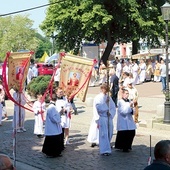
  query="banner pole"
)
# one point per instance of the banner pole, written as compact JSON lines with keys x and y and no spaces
{"x":19,"y":109}
{"x":108,"y":99}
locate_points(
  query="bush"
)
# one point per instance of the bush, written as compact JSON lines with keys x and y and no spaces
{"x":38,"y":85}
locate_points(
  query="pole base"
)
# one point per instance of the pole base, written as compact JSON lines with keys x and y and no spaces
{"x":167,"y":112}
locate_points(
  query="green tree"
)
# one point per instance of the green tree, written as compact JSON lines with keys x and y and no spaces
{"x":16,"y":33}
{"x":44,"y":44}
{"x":103,"y":20}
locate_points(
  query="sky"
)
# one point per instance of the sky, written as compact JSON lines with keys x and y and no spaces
{"x":37,"y":15}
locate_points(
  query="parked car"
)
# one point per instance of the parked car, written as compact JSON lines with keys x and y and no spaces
{"x":45,"y":69}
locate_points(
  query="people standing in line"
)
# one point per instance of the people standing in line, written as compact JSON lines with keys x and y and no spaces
{"x":126,"y":67}
{"x":149,"y":71}
{"x":142,"y":75}
{"x":162,"y":156}
{"x":18,"y":122}
{"x":61,"y":105}
{"x":125,"y":79}
{"x":114,"y":88}
{"x":39,"y":110}
{"x":104,"y":112}
{"x":125,"y":123}
{"x":135,"y":69}
{"x":52,"y":146}
{"x":163,"y":75}
{"x":118,"y":69}
{"x":133,"y":97}
{"x":157,"y":77}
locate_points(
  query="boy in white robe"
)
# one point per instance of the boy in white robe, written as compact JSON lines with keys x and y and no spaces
{"x":125,"y":123}
{"x":39,"y":109}
{"x":52,"y":146}
{"x":61,"y":105}
{"x":104,"y":112}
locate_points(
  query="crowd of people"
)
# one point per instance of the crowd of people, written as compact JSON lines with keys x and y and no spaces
{"x":139,"y":71}
{"x":118,"y":96}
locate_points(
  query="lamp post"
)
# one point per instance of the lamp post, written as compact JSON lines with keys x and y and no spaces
{"x":53,"y":42}
{"x":166,"y":16}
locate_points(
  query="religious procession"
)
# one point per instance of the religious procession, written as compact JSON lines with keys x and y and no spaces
{"x":54,"y":106}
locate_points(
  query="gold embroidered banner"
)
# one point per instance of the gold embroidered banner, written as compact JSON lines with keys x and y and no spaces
{"x":18,"y":65}
{"x":75,"y":75}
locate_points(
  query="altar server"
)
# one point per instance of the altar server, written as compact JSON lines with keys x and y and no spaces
{"x":61,"y":105}
{"x":125,"y":123}
{"x":52,"y":146}
{"x":39,"y":109}
{"x":104,"y":112}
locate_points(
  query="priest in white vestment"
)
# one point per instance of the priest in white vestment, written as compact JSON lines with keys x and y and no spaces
{"x":104,"y":112}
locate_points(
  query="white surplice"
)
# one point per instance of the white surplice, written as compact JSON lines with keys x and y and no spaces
{"x":101,"y":108}
{"x":125,"y":120}
{"x":63,"y":103}
{"x":135,"y":69}
{"x":118,"y":70}
{"x":38,"y":107}
{"x":142,"y":74}
{"x":53,"y":121}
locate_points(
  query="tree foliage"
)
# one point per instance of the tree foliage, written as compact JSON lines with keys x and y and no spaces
{"x":44,"y":44}
{"x":103,"y":20}
{"x":16,"y":33}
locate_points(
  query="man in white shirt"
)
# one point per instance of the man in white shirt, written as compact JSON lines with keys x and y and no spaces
{"x":163,"y":75}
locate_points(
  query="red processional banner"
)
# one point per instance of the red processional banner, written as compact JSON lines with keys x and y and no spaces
{"x":75,"y":75}
{"x":18,"y":65}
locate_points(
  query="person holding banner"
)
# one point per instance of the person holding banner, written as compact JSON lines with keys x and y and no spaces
{"x":104,"y":112}
{"x":18,"y":122}
{"x":39,"y":109}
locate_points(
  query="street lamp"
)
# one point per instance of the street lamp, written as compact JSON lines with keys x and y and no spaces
{"x":166,"y":16}
{"x":53,"y":42}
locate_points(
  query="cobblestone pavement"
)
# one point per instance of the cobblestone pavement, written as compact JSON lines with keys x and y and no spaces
{"x":79,"y":155}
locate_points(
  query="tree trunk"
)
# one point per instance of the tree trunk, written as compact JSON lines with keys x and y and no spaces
{"x":108,"y":49}
{"x":135,"y":46}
